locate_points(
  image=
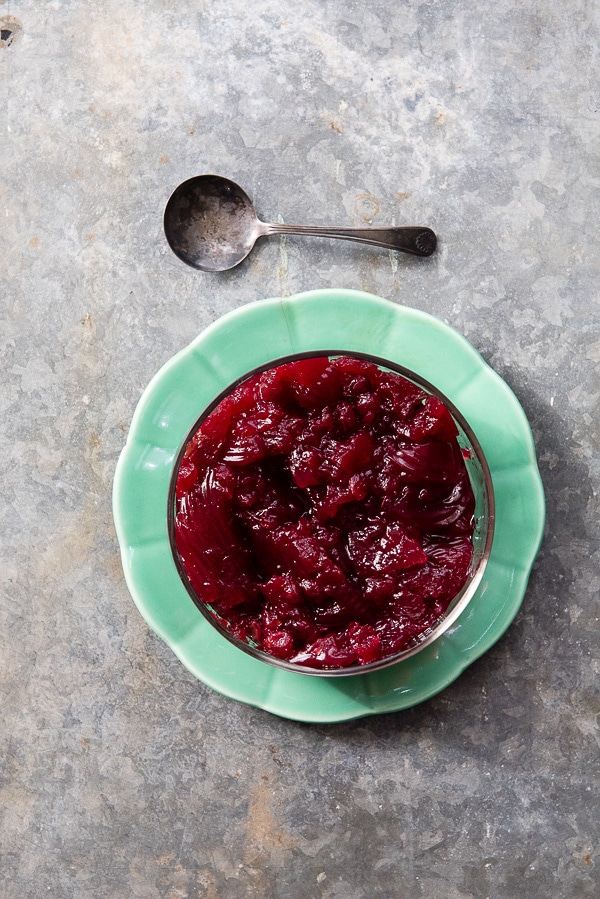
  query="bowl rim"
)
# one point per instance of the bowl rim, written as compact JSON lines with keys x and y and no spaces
{"x":457,"y":605}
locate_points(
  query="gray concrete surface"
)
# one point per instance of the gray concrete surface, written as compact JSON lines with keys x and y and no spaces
{"x":121,"y":776}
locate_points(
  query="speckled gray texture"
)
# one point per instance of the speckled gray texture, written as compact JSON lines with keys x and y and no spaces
{"x":121,"y":775}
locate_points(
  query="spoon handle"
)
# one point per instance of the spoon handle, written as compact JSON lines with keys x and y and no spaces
{"x":418,"y":241}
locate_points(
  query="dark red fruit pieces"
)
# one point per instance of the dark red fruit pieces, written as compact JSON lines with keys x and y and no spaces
{"x":325,"y":513}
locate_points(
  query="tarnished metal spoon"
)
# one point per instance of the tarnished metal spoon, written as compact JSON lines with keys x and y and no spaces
{"x":210,"y":223}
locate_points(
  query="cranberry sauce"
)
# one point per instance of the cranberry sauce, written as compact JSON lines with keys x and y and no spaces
{"x":324,"y":512}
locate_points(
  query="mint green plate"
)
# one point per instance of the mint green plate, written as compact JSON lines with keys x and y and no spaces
{"x":340,"y":320}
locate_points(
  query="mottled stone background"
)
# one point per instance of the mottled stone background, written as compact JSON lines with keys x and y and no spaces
{"x":121,"y":776}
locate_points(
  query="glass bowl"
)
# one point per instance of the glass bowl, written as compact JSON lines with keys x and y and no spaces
{"x":484,"y":521}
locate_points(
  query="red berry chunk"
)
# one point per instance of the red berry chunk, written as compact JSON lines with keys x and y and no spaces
{"x":324,"y":512}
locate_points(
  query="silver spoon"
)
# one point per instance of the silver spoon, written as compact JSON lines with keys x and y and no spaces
{"x":210,"y":223}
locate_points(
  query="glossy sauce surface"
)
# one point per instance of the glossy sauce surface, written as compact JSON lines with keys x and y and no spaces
{"x":324,"y":512}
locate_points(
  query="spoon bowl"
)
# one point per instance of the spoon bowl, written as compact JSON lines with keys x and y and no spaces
{"x":210,"y":223}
